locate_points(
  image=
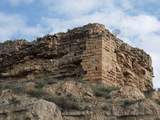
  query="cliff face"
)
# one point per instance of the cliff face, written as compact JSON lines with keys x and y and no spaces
{"x":88,"y":72}
{"x":91,"y":52}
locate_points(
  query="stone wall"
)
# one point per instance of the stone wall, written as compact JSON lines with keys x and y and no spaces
{"x":89,"y":52}
{"x":92,"y":55}
{"x":110,"y":74}
{"x":123,"y":65}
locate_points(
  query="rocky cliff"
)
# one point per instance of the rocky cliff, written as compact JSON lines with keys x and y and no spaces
{"x":84,"y":74}
{"x":91,"y":52}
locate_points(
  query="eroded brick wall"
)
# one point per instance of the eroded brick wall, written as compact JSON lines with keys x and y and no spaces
{"x":109,"y":63}
{"x":91,"y":52}
{"x":91,"y":60}
{"x":123,"y":65}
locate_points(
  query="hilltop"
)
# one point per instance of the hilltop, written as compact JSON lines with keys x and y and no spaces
{"x":86,"y":73}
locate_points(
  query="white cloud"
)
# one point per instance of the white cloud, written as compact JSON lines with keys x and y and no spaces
{"x":75,"y":8}
{"x":139,"y":30}
{"x":11,"y":25}
{"x":71,"y":7}
{"x":151,"y":44}
{"x":18,"y":2}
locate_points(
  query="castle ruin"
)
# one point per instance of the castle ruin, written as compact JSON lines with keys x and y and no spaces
{"x":91,"y":52}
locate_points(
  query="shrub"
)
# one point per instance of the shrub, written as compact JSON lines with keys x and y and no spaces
{"x":15,"y":88}
{"x":6,"y":86}
{"x":8,"y":42}
{"x":103,"y":91}
{"x":81,"y":79}
{"x":66,"y":102}
{"x":18,"y":89}
{"x":40,"y":84}
{"x":128,"y":103}
{"x":38,"y":93}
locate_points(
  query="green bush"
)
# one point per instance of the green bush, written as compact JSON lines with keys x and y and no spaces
{"x":66,"y":102}
{"x":7,"y":42}
{"x":15,"y":88}
{"x":38,"y":93}
{"x":82,"y":80}
{"x":103,"y":91}
{"x":40,"y":84}
{"x":128,"y":103}
{"x":6,"y":86}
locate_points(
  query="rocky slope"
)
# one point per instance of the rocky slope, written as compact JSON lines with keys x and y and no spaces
{"x":84,"y":74}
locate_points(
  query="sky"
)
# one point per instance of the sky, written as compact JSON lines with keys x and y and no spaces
{"x":138,"y":21}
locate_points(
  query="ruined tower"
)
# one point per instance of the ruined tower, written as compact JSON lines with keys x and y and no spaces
{"x":90,"y":52}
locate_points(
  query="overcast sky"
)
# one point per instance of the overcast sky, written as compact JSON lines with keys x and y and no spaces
{"x":138,"y":20}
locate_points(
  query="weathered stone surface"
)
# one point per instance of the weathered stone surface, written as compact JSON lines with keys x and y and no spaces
{"x":140,"y":110}
{"x":129,"y":93}
{"x":124,"y":65}
{"x":91,"y":52}
{"x":14,"y":107}
{"x":135,"y":66}
{"x":65,"y":69}
{"x":69,"y":88}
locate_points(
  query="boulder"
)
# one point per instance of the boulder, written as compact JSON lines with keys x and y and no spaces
{"x":13,"y":107}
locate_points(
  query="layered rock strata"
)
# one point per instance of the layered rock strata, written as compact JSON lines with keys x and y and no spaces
{"x":90,"y":52}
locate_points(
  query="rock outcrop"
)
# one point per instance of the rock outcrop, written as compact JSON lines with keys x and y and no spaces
{"x":91,"y":52}
{"x":84,"y":74}
{"x":13,"y":107}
